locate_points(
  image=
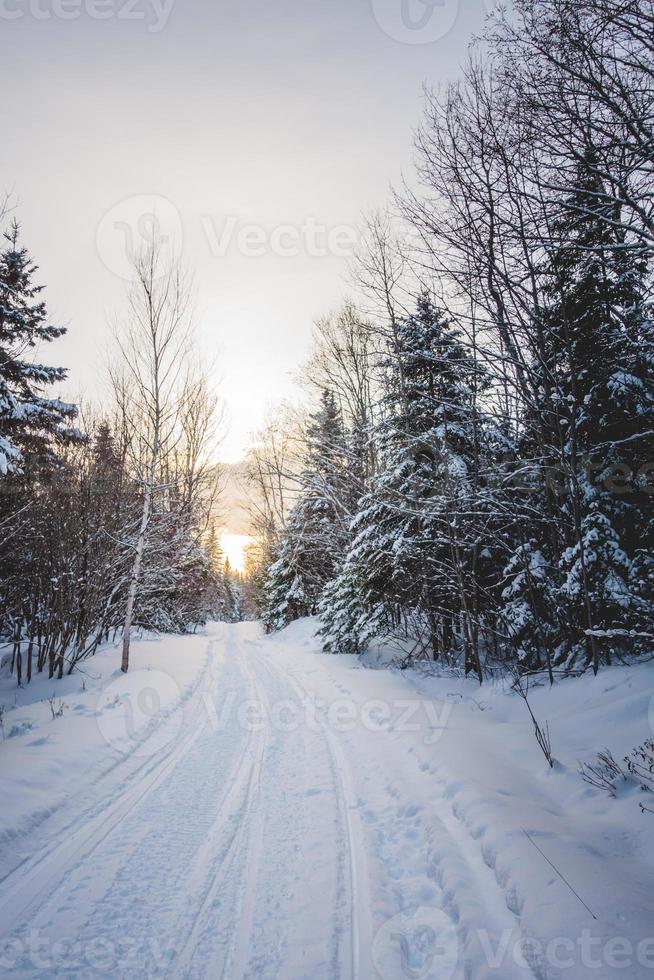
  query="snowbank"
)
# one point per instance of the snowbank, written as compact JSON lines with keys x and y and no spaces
{"x":61,"y":736}
{"x":493,"y":814}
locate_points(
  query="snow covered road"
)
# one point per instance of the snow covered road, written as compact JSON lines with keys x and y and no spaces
{"x":289,"y":815}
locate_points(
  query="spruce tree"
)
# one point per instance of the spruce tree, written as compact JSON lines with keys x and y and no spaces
{"x":29,"y":423}
{"x":290,"y":589}
{"x":312,"y":543}
{"x":402,"y":571}
{"x":591,"y":420}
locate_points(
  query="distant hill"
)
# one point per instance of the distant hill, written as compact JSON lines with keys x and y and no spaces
{"x":232,"y":503}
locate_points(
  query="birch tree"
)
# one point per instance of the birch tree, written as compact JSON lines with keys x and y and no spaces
{"x":153,"y":343}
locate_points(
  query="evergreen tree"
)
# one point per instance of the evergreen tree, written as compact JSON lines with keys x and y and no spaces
{"x":405,"y":567}
{"x":233,"y":612}
{"x":591,"y":421}
{"x":313,"y":541}
{"x":290,"y":587}
{"x":599,"y":582}
{"x":641,"y":586}
{"x":28,"y":422}
{"x":530,"y":607}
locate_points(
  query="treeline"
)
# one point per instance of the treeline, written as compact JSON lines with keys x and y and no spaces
{"x":476,"y":482}
{"x":105,"y":520}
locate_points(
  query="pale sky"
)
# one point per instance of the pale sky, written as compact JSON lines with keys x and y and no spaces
{"x":292,"y":116}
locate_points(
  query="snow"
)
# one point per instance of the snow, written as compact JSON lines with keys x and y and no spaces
{"x":106,"y":715}
{"x":246,"y":806}
{"x":8,"y":455}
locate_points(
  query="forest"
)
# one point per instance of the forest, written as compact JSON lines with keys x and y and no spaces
{"x":106,"y":516}
{"x":474,"y":477}
{"x":471,"y":474}
{"x":326,"y":490}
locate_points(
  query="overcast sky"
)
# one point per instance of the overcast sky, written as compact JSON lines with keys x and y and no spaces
{"x":289,"y":116}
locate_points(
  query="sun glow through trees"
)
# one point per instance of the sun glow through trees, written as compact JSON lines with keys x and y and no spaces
{"x":233,"y":547}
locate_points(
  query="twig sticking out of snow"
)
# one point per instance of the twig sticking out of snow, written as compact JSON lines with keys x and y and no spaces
{"x":542,"y":734}
{"x":56,"y":710}
{"x":559,"y":873}
{"x":603,"y":773}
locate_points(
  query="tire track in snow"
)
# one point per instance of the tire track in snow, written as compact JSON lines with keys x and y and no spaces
{"x":123,"y":760}
{"x":453,"y":859}
{"x":360,"y":945}
{"x":35,"y":881}
{"x":245,"y":783}
{"x":236,"y":961}
{"x":145,"y":866}
{"x":276,"y":937}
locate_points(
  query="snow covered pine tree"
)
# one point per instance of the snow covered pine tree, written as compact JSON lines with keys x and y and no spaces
{"x":407,"y":571}
{"x":313,"y":540}
{"x":29,"y":423}
{"x":591,"y":423}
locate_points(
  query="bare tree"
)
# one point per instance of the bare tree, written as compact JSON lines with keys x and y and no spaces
{"x":345,"y":361}
{"x":153,"y":342}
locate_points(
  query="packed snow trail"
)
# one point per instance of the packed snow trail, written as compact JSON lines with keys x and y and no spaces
{"x":292,"y":816}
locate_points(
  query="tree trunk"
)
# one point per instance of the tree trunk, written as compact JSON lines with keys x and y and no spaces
{"x":136,"y":569}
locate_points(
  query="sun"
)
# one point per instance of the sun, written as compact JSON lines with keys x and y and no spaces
{"x":233,"y":548}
